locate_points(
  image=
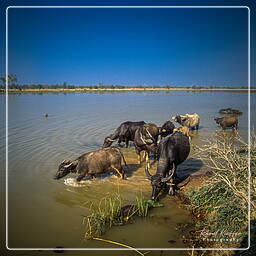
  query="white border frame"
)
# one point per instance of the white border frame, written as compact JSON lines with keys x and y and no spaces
{"x":249,"y":125}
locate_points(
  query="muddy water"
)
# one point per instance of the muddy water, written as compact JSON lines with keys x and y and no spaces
{"x":44,"y":213}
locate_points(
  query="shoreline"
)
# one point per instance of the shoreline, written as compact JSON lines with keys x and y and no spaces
{"x":126,"y":90}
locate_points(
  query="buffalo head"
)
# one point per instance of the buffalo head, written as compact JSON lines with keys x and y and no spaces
{"x":218,"y":119}
{"x":158,"y":183}
{"x":107,"y":142}
{"x":177,"y":118}
{"x":64,"y":168}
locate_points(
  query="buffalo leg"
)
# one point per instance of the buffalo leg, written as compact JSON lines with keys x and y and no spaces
{"x":121,"y":173}
{"x":127,"y":143}
{"x":174,"y":176}
{"x":80,"y":177}
{"x":138,"y":155}
{"x":147,"y":159}
{"x":139,"y":158}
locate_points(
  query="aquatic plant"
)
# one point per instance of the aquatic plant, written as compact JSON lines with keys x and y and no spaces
{"x":111,"y":212}
{"x":141,"y":206}
{"x":104,"y":216}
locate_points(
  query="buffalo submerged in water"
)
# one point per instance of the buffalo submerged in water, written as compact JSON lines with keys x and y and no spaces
{"x":173,"y":150}
{"x":92,"y":163}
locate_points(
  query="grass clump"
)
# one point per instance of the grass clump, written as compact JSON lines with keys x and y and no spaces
{"x":104,"y":216}
{"x":111,"y":212}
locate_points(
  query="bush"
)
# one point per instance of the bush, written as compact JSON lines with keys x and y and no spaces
{"x":223,"y":199}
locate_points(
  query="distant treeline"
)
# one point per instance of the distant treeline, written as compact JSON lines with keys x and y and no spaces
{"x":13,"y":84}
{"x":66,"y":86}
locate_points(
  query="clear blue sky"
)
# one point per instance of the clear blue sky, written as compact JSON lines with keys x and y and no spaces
{"x":129,"y":46}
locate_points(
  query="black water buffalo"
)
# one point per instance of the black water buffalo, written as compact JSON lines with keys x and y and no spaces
{"x":230,"y":111}
{"x":124,"y":133}
{"x":173,"y":150}
{"x":227,"y":121}
{"x":190,"y":120}
{"x":145,"y":139}
{"x":89,"y":164}
{"x":166,"y":129}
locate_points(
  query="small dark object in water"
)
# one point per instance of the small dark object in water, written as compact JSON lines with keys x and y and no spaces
{"x":58,"y":249}
{"x":171,"y":241}
{"x":230,"y":111}
{"x":127,"y":211}
{"x":46,"y":115}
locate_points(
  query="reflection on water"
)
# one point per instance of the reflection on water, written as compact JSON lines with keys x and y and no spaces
{"x":44,"y":212}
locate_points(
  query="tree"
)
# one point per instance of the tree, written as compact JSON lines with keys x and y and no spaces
{"x":12,"y":79}
{"x":65,"y":85}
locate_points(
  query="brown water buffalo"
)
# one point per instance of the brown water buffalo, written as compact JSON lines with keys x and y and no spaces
{"x":227,"y":121}
{"x":192,"y":121}
{"x":124,"y":133}
{"x":91,"y":163}
{"x":173,"y":150}
{"x":145,"y":139}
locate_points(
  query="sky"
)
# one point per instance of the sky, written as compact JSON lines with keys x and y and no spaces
{"x":171,"y":46}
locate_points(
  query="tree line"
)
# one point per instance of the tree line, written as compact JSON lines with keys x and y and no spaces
{"x":13,"y":84}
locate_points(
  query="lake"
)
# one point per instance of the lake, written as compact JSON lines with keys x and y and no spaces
{"x":45,"y":213}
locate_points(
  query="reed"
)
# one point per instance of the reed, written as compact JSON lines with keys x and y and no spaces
{"x":141,"y":206}
{"x":111,"y":211}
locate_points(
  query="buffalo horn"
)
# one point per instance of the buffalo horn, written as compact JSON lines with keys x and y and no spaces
{"x":163,"y":130}
{"x":68,"y":165}
{"x":147,"y":173}
{"x":110,"y":140}
{"x":167,"y":178}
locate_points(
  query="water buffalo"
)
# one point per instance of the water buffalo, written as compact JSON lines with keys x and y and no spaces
{"x":227,"y":121}
{"x":190,"y":120}
{"x":145,"y":139}
{"x":91,"y":163}
{"x":173,"y":150}
{"x":230,"y":111}
{"x":166,"y":129}
{"x":124,"y":133}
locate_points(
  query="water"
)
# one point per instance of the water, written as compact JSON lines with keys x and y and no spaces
{"x":44,"y":213}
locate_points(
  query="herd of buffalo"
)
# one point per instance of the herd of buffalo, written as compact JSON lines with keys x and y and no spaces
{"x":170,"y":146}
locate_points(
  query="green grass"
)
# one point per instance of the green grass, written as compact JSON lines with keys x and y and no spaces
{"x":111,"y":211}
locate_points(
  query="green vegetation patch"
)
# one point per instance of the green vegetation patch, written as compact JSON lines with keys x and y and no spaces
{"x":111,"y":212}
{"x":223,"y":200}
